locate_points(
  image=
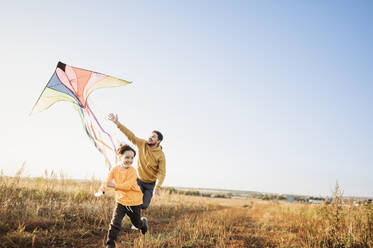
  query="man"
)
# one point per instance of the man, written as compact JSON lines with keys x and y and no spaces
{"x":151,"y":162}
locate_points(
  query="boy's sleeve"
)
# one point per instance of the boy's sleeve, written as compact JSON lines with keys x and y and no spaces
{"x":161,"y":171}
{"x":110,"y":178}
{"x":130,"y":135}
{"x":130,"y":183}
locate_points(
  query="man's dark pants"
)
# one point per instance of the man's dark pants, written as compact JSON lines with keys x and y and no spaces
{"x":147,"y":191}
{"x":118,"y":214}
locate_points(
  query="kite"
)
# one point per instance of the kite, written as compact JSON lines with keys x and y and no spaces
{"x":74,"y":85}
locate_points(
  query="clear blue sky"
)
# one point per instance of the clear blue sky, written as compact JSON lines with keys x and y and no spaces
{"x":271,"y":96}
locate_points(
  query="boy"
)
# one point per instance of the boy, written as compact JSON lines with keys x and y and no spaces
{"x":127,"y":194}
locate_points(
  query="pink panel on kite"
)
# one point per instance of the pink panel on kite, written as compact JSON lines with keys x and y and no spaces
{"x":72,"y":77}
{"x":83,"y":77}
{"x":63,"y":78}
{"x":95,"y":77}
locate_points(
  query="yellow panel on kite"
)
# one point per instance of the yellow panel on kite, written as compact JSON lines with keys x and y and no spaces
{"x":108,"y":81}
{"x":49,"y":97}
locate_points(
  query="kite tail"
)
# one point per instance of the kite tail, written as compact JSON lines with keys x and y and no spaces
{"x":89,"y":129}
{"x":81,"y":114}
{"x":111,"y":139}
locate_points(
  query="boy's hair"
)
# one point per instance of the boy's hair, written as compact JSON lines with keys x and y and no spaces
{"x":123,"y":148}
{"x":160,"y":136}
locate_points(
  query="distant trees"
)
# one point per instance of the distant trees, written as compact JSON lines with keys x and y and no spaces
{"x":172,"y":190}
{"x":258,"y":195}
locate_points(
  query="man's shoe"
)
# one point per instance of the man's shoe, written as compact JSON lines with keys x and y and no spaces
{"x":145,"y":220}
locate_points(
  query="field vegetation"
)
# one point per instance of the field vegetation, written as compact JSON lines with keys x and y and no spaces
{"x":53,"y":211}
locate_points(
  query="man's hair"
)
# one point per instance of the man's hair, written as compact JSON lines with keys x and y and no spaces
{"x":160,"y":136}
{"x":123,"y":148}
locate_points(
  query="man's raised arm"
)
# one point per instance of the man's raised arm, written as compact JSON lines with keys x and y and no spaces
{"x":130,"y":135}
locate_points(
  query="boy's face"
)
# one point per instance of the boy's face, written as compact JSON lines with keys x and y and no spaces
{"x":127,"y":158}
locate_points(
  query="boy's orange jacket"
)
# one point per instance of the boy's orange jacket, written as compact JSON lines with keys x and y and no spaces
{"x":127,"y":192}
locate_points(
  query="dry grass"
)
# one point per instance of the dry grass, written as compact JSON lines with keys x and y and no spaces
{"x":46,"y":212}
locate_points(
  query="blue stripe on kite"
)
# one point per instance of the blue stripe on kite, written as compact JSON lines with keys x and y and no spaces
{"x":56,"y":84}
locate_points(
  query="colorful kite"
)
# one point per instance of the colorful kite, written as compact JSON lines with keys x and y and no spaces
{"x":75,"y":85}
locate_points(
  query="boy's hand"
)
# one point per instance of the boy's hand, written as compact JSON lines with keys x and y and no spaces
{"x":100,"y":192}
{"x":114,"y":118}
{"x":110,"y":184}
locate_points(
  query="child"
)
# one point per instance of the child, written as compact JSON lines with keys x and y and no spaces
{"x":127,"y":194}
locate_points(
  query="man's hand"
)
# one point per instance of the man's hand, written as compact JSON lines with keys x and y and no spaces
{"x":110,"y":184}
{"x":114,"y":118}
{"x":157,"y":192}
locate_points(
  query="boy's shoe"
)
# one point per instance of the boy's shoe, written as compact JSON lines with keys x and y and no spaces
{"x":110,"y":244}
{"x":134,"y":228}
{"x":143,"y":231}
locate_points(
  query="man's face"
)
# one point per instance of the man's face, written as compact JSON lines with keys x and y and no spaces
{"x":153,"y":139}
{"x":127,"y":158}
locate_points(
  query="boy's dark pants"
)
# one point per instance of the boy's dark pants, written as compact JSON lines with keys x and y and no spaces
{"x":147,"y":191}
{"x":118,"y":214}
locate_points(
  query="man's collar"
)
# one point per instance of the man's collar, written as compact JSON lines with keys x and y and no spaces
{"x":159,"y":147}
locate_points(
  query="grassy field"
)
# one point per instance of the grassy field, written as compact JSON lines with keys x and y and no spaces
{"x":51,"y":212}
